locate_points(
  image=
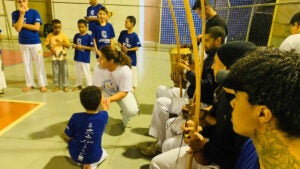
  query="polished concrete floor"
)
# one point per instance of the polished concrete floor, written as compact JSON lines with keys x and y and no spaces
{"x":35,"y":142}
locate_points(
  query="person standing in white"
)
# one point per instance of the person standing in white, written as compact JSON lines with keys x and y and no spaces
{"x":2,"y":76}
{"x":292,"y":42}
{"x":27,"y":22}
{"x":114,"y":76}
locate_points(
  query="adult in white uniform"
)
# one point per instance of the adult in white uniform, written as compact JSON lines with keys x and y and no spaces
{"x":114,"y":76}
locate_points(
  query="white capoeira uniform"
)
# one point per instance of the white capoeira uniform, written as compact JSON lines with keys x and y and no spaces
{"x":176,"y":159}
{"x":31,"y":48}
{"x":116,"y":81}
{"x":168,"y":101}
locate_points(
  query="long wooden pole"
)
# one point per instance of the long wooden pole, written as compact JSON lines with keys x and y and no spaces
{"x":177,"y":42}
{"x":198,"y":60}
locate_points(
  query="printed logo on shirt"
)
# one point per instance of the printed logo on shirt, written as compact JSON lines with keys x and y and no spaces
{"x":109,"y":87}
{"x":92,"y":12}
{"x":89,"y":132}
{"x":78,"y":41}
{"x":104,"y":34}
{"x":126,"y":43}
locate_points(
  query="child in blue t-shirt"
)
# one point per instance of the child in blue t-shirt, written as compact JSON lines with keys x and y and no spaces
{"x":83,"y":44}
{"x":130,"y":43}
{"x":91,"y":14}
{"x":103,"y":33}
{"x":85,"y":129}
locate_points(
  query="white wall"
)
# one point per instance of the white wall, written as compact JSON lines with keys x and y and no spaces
{"x":10,"y":6}
{"x":69,"y":11}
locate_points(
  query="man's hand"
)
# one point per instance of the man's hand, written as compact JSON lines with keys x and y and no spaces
{"x":199,"y":37}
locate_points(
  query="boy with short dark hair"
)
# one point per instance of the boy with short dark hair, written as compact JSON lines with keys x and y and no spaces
{"x":57,"y":42}
{"x":85,"y":129}
{"x":83,"y":44}
{"x":292,"y":42}
{"x":129,"y":43}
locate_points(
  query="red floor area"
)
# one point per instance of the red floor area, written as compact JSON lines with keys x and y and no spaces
{"x":11,"y":111}
{"x":12,"y":57}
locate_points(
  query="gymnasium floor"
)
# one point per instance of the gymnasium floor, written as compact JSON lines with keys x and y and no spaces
{"x":31,"y":123}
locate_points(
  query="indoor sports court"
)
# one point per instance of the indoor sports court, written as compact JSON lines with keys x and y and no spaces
{"x":32,"y":123}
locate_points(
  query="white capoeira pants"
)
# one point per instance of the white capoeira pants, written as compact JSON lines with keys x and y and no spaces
{"x":2,"y":76}
{"x":176,"y":159}
{"x":134,"y":76}
{"x":174,"y":137}
{"x":81,"y":69}
{"x":128,"y":105}
{"x":33,"y":53}
{"x":168,"y":101}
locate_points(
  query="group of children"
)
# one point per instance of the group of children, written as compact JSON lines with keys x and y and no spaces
{"x":85,"y":129}
{"x":102,"y":34}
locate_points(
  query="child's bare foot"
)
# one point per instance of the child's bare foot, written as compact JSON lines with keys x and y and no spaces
{"x":87,"y":166}
{"x":43,"y":89}
{"x":55,"y":89}
{"x":27,"y":88}
{"x":66,"y":89}
{"x":76,"y":88}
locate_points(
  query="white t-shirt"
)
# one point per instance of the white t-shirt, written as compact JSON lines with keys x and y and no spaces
{"x":291,"y":42}
{"x":113,"y":82}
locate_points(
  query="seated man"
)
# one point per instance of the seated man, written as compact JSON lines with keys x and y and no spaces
{"x":266,"y":107}
{"x":168,"y":100}
{"x":221,"y":146}
{"x":292,"y":42}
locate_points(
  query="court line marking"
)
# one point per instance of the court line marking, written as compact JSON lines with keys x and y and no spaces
{"x":39,"y":105}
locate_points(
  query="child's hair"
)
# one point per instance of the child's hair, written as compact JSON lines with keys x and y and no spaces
{"x":112,"y":53}
{"x":132,"y":19}
{"x":56,"y":21}
{"x":82,"y":21}
{"x":90,"y":97}
{"x":295,"y":19}
{"x":103,"y":9}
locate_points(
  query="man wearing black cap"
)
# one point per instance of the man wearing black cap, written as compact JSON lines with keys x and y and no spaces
{"x":266,"y":107}
{"x":213,"y":19}
{"x":216,"y":144}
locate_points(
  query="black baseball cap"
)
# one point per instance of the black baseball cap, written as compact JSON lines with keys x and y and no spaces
{"x":228,"y":54}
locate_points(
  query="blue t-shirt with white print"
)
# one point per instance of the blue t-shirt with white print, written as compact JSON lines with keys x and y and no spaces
{"x":103,"y":34}
{"x":27,"y":36}
{"x":86,"y":131}
{"x":84,"y":40}
{"x":92,"y":11}
{"x":130,"y":41}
